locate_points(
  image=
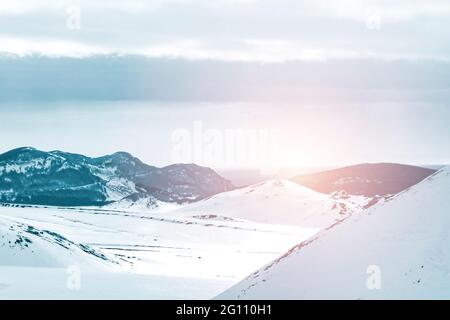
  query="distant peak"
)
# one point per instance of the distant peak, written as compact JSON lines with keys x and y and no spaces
{"x":187,"y":165}
{"x":23,"y":149}
{"x":120,"y":157}
{"x":122,"y":154}
{"x":18,"y":152}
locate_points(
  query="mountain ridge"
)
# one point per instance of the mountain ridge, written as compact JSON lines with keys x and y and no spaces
{"x":32,"y":176}
{"x":366,"y":179}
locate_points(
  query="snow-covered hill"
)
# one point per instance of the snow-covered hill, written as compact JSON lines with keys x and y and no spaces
{"x":274,"y":202}
{"x":58,"y":178}
{"x":398,"y":249}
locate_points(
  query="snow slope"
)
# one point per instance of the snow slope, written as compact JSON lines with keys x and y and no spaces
{"x":274,"y":202}
{"x":140,"y":203}
{"x":130,"y":255}
{"x":401,"y":246}
{"x":24,"y":245}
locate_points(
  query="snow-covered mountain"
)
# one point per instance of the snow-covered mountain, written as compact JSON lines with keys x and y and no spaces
{"x":397,"y":249}
{"x":274,"y":202}
{"x":372,"y":180}
{"x":32,"y":176}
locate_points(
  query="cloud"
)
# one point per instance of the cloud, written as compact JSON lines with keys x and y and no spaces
{"x":126,"y":6}
{"x":242,"y":50}
{"x":31,"y":6}
{"x":230,"y":30}
{"x":110,"y":78}
{"x":22,"y":47}
{"x":389,"y":11}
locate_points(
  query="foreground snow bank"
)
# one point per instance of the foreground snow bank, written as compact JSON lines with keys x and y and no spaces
{"x":399,"y":249}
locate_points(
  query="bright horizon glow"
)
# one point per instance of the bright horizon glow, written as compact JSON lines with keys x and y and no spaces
{"x":319,"y":136}
{"x":337,"y":83}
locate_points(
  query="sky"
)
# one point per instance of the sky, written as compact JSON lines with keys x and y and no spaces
{"x":228,"y":83}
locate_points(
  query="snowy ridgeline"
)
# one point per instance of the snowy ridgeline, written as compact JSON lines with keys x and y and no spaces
{"x":398,"y":249}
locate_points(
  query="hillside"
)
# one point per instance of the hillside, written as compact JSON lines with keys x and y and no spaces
{"x":274,"y":202}
{"x":403,"y":243}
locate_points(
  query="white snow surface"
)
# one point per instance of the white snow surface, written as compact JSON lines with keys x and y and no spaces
{"x":130,"y":255}
{"x":275,"y":202}
{"x":398,"y":249}
{"x":135,"y":252}
{"x":146,"y":204}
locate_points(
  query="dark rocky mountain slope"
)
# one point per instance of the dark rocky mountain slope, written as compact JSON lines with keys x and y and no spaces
{"x":370,"y":180}
{"x":31,"y":176}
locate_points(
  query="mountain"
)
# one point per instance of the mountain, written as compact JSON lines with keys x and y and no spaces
{"x":370,"y":180}
{"x":31,"y":176}
{"x":274,"y":202}
{"x":244,"y":177}
{"x":395,"y":250}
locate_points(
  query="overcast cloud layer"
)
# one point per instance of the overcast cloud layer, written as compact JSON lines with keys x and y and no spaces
{"x":343,"y":81}
{"x":231,"y":50}
{"x":244,"y":30}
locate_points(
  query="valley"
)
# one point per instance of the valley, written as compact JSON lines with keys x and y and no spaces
{"x":120,"y":249}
